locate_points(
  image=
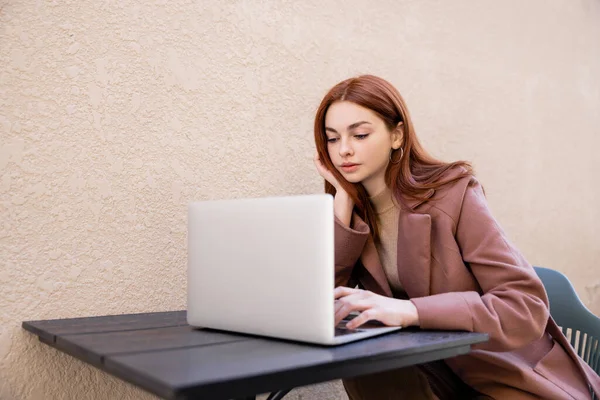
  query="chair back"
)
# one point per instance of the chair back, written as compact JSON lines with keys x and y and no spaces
{"x":579,"y":325}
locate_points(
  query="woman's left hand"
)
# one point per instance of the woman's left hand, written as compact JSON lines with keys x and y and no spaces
{"x":387,"y":310}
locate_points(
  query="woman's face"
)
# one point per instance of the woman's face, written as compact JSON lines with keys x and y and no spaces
{"x":359,"y":144}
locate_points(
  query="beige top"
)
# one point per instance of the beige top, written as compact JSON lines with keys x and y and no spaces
{"x":387,"y":220}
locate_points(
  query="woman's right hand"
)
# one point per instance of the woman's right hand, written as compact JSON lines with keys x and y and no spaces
{"x":325,"y":173}
{"x":342,"y":202}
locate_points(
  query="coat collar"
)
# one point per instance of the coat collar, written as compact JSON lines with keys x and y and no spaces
{"x":413,"y":255}
{"x":413,"y":203}
{"x":413,"y":250}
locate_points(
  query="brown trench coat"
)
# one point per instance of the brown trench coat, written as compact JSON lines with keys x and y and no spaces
{"x":461,"y":272}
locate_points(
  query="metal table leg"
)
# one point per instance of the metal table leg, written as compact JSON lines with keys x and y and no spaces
{"x":273,"y":396}
{"x":278,"y":395}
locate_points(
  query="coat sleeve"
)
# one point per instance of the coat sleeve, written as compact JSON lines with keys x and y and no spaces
{"x":513,"y":306}
{"x":349,"y":244}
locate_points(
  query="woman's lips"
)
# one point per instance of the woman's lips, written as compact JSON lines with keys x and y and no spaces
{"x":350,"y":167}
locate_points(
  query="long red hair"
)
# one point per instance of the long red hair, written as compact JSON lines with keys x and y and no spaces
{"x":413,"y":172}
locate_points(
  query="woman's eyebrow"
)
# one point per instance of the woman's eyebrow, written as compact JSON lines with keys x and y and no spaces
{"x":350,"y":127}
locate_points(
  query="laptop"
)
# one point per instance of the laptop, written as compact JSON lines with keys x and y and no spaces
{"x":265,"y":266}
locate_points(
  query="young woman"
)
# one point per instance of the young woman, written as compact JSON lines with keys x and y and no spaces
{"x":416,"y":245}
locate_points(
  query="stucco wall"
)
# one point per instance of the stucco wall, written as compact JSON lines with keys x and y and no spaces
{"x":113,"y":115}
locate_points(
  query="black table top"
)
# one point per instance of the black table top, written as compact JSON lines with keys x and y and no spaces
{"x":162,"y":354}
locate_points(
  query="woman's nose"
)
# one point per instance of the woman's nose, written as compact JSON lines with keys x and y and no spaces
{"x":345,"y":148}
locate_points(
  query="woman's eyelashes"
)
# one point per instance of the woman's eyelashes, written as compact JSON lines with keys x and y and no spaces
{"x":361,"y":136}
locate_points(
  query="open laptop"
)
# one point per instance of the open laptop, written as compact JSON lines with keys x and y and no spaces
{"x":265,"y":266}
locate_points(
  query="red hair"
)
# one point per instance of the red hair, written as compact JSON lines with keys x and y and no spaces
{"x":412,"y":174}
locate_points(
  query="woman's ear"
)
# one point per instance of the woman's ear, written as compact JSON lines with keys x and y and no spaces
{"x":398,"y":136}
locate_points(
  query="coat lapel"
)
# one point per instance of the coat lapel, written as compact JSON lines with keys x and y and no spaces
{"x":414,"y":248}
{"x":414,"y":253}
{"x":376,"y":281}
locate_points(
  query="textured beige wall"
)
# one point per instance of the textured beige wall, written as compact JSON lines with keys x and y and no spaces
{"x":115,"y":114}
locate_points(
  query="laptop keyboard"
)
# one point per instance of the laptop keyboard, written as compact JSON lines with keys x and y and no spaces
{"x":340,"y":331}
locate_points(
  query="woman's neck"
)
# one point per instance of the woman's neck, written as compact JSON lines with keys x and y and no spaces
{"x":382,"y":201}
{"x":374,"y":185}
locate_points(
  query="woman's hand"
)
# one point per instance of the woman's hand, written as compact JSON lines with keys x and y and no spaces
{"x":387,"y":310}
{"x":342,"y":203}
{"x":325,"y":173}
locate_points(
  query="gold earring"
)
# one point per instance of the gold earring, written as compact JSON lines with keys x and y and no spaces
{"x":401,"y":155}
